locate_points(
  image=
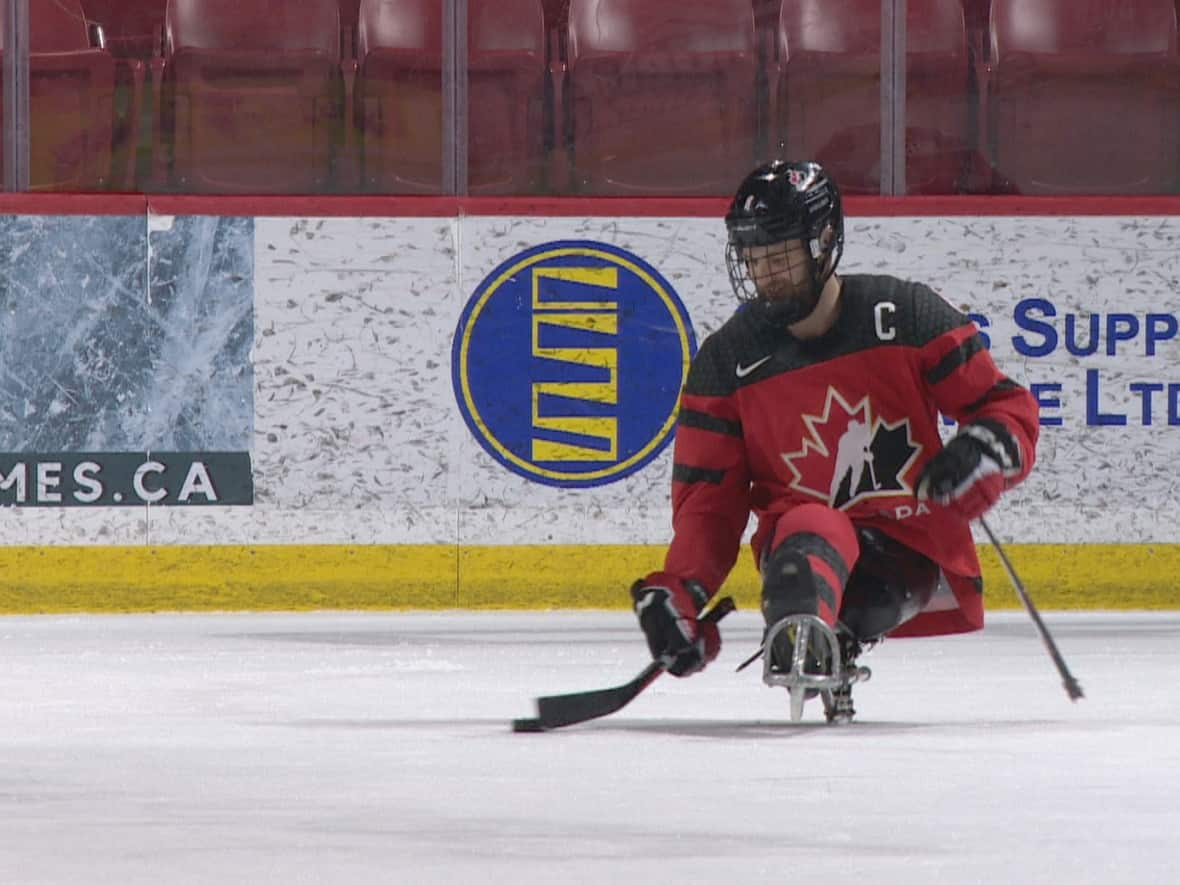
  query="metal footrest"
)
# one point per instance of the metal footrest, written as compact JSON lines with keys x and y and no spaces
{"x":816,"y":666}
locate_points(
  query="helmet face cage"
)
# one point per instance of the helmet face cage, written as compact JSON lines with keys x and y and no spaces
{"x":778,"y":203}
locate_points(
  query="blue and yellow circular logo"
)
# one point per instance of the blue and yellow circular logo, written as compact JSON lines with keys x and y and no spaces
{"x":568,"y":362}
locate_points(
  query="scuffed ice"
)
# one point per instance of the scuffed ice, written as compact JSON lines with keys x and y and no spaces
{"x":201,"y":395}
{"x":93,"y":358}
{"x":72,"y":293}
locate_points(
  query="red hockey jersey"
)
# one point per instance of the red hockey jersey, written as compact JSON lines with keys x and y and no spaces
{"x":768,"y":421}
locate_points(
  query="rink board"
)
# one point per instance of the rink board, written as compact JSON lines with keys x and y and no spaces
{"x":380,"y":577}
{"x":340,"y":427}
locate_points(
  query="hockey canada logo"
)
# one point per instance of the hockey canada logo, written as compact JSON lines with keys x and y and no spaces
{"x":848,"y":454}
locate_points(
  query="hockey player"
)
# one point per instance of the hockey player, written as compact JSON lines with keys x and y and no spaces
{"x":816,"y":406}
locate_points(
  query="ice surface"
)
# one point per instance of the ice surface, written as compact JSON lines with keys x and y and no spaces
{"x":359,"y":748}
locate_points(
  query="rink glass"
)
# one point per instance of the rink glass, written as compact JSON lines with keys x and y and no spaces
{"x":590,"y":97}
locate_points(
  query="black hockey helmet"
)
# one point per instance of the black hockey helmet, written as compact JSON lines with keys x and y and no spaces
{"x":776,"y":203}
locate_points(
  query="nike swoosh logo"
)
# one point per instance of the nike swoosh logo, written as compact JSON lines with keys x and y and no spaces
{"x":743,"y":371}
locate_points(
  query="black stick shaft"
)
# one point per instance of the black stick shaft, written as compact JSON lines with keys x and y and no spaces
{"x":1072,"y":687}
{"x":556,"y":711}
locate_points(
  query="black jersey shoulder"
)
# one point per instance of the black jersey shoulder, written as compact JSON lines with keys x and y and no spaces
{"x":876,"y":311}
{"x":876,"y":303}
{"x":740,"y":342}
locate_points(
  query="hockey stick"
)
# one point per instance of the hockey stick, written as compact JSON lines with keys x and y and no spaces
{"x":559,"y":710}
{"x":1072,"y":687}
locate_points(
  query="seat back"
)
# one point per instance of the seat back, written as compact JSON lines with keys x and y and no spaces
{"x":398,"y":109}
{"x":253,"y":96}
{"x":54,"y":27}
{"x":404,"y":25}
{"x":71,"y":101}
{"x":349,"y":15}
{"x":1128,"y":27}
{"x":133,"y":28}
{"x":828,"y":91}
{"x":253,"y":26}
{"x":662,"y":96}
{"x":976,"y":13}
{"x":1082,"y":96}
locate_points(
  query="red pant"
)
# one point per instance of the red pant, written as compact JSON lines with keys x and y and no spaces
{"x":856,"y":575}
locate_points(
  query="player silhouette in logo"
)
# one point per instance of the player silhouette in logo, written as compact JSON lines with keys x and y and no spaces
{"x":853,"y":454}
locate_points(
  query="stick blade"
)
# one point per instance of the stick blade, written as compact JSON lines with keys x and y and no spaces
{"x":556,"y":711}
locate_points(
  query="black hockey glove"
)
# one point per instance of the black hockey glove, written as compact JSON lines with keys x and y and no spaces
{"x":668,"y":609}
{"x":971,"y":471}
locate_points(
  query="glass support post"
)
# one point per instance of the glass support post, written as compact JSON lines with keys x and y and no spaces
{"x":16,"y":95}
{"x":454,"y":97}
{"x":893,"y":86}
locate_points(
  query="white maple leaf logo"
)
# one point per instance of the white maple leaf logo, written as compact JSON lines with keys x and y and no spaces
{"x":849,"y":455}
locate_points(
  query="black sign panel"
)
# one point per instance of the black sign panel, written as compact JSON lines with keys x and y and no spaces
{"x":125,"y":479}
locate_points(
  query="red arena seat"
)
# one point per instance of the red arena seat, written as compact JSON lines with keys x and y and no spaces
{"x":976,"y":14}
{"x":662,"y":96}
{"x":71,"y":94}
{"x":828,"y":91}
{"x":399,"y":98}
{"x":1082,"y":96}
{"x":253,"y":96}
{"x":133,"y":28}
{"x":349,"y":15}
